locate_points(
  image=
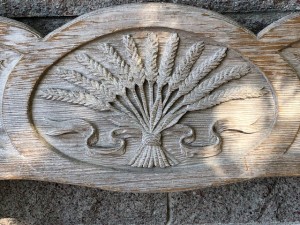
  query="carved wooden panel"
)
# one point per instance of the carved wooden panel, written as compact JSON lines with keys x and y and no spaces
{"x":150,"y":97}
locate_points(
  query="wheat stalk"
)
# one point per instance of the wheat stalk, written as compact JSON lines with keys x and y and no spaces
{"x":75,"y":97}
{"x":95,"y":67}
{"x":191,"y":81}
{"x":216,"y":98}
{"x":165,"y":69}
{"x":229,"y":94}
{"x":113,"y":56}
{"x":136,"y":62}
{"x":168,"y":60}
{"x":184,"y":68}
{"x":151,"y":49}
{"x":137,"y":71}
{"x":201,"y":71}
{"x":74,"y":77}
{"x":214,"y":82}
{"x":151,"y":53}
{"x":133,"y":113}
{"x":143,"y":119}
{"x":157,"y":113}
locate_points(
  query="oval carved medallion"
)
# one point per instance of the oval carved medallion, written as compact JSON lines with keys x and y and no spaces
{"x":153,"y":99}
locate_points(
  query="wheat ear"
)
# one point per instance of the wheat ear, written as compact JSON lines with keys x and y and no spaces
{"x":216,"y":98}
{"x":229,"y":94}
{"x":137,"y":71}
{"x":168,"y":59}
{"x":151,"y":71}
{"x":201,"y":71}
{"x":75,"y":97}
{"x":165,"y":70}
{"x":114,"y":57}
{"x":74,"y":77}
{"x":136,"y":62}
{"x":94,"y":67}
{"x":197,"y":74}
{"x":184,"y":68}
{"x":151,"y":54}
{"x":214,"y":82}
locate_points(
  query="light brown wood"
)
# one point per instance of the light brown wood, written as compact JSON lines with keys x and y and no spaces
{"x":150,"y":97}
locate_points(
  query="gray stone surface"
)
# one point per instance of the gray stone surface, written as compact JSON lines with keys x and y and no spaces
{"x":252,"y":21}
{"x":256,"y":21}
{"x":41,"y":203}
{"x":261,"y":200}
{"x":45,"y":25}
{"x":42,"y":8}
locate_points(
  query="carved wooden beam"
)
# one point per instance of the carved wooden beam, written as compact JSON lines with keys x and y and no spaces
{"x":150,"y":97}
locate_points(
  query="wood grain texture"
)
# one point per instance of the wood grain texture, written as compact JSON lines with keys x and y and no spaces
{"x":195,"y":102}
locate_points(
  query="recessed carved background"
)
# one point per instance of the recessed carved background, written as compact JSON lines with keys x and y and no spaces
{"x":221,"y":105}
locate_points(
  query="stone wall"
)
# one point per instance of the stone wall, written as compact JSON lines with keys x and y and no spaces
{"x":265,"y":201}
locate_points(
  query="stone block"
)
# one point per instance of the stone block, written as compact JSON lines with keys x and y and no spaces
{"x":31,"y":202}
{"x":261,"y":200}
{"x":46,"y":8}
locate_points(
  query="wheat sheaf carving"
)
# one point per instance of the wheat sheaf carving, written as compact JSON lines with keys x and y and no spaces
{"x":153,"y":93}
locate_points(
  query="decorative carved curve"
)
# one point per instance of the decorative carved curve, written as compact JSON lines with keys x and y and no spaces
{"x":90,"y":132}
{"x":3,"y":66}
{"x":292,"y":55}
{"x":8,"y":60}
{"x":153,"y":96}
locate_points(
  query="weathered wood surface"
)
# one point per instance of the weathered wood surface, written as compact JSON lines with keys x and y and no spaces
{"x":151,"y":97}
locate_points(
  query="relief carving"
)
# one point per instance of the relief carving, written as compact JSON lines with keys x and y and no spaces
{"x":171,"y":99}
{"x":149,"y":94}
